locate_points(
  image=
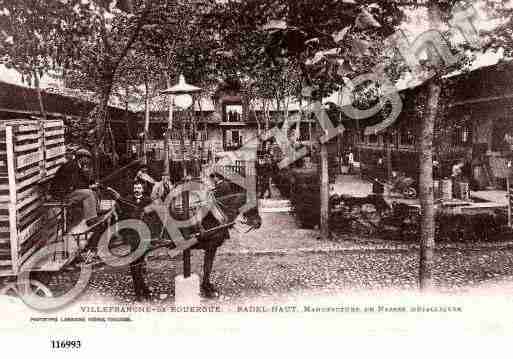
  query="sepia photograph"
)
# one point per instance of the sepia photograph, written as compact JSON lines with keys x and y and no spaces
{"x":254,"y":168}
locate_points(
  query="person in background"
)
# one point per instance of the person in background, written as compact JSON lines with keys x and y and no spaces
{"x":437,"y":171}
{"x":350,"y":160}
{"x":145,"y":178}
{"x":221,"y":187}
{"x":265,"y":175}
{"x":458,"y":175}
{"x":74,"y":182}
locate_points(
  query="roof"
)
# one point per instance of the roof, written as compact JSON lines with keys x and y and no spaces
{"x":21,"y":99}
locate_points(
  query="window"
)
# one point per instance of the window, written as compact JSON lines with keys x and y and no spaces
{"x":304,"y":133}
{"x":406,"y":137}
{"x":461,"y":136}
{"x":233,"y":113}
{"x":232,"y":140}
{"x":235,"y":136}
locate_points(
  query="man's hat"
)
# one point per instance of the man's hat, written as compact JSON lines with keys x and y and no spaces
{"x":143,"y":166}
{"x":83,"y":153}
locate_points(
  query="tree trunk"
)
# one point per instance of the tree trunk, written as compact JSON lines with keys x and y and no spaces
{"x":100,"y":118}
{"x":146,"y":119}
{"x":388,"y":145}
{"x":425,"y":151}
{"x":427,"y":225}
{"x":39,"y":96}
{"x":324,"y":193}
{"x":127,"y":118}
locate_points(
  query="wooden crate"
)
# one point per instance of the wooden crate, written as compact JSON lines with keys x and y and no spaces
{"x":53,"y":146}
{"x":25,"y":159}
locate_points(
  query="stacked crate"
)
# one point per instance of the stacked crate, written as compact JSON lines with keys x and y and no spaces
{"x":53,"y":146}
{"x":25,"y":159}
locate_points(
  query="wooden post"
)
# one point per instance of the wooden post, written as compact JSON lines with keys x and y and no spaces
{"x":388,"y":147}
{"x":187,"y":252}
{"x":358,"y":151}
{"x":167,"y":138}
{"x":187,"y":263}
{"x":339,"y":152}
{"x":310,"y":135}
{"x":11,"y":174}
{"x":184,"y":168}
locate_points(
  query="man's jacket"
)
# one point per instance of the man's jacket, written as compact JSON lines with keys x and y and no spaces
{"x":69,"y":177}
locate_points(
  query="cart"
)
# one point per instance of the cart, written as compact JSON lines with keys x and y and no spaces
{"x":32,"y":224}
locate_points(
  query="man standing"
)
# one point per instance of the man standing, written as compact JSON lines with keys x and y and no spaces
{"x":134,"y":209}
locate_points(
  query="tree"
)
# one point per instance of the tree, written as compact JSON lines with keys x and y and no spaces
{"x":437,"y":12}
{"x":25,"y":41}
{"x":141,"y":75}
{"x":92,"y":42}
{"x":329,"y":41}
{"x":500,"y":37}
{"x":334,"y":42}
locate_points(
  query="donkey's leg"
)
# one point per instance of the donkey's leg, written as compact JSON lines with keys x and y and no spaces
{"x":207,"y":288}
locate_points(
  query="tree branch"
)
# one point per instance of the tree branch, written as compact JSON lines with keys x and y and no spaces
{"x":134,"y":35}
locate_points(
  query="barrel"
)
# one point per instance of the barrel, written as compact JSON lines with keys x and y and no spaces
{"x":446,"y":189}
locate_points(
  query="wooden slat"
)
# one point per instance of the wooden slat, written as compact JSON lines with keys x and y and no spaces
{"x":14,"y":238}
{"x":57,"y":132}
{"x":5,"y":240}
{"x":20,"y":128}
{"x":54,"y":141}
{"x":54,"y":123}
{"x":33,"y":197}
{"x":28,"y":181}
{"x":27,"y":192}
{"x":55,"y":162}
{"x":54,"y":152}
{"x":29,"y":246}
{"x":52,"y":171}
{"x":26,"y":171}
{"x":28,"y":147}
{"x":30,"y":230}
{"x":6,"y":273}
{"x":24,"y":222}
{"x":5,"y":263}
{"x":27,"y":137}
{"x":29,"y":208}
{"x":5,"y":250}
{"x":28,"y":159}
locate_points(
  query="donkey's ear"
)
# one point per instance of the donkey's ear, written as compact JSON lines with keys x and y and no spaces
{"x":158,"y":191}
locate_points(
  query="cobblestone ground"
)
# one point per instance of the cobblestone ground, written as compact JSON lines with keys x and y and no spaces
{"x":274,"y":267}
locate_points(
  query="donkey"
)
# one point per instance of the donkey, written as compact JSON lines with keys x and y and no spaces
{"x":226,"y":207}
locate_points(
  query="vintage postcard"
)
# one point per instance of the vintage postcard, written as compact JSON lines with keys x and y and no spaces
{"x":172,"y":170}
